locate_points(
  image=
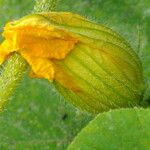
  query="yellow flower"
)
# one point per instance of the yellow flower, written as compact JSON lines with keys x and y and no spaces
{"x":90,"y":65}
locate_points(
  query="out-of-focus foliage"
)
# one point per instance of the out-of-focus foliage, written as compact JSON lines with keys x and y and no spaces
{"x":13,"y":9}
{"x":37,"y":117}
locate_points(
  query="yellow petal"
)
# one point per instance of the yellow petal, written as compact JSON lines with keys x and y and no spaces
{"x":39,"y":43}
{"x":41,"y":67}
{"x":5,"y":50}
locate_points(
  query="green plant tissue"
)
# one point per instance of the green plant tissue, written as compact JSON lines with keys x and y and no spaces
{"x":120,"y":129}
{"x":37,"y":117}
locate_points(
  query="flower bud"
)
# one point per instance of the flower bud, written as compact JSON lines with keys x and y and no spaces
{"x":91,"y":65}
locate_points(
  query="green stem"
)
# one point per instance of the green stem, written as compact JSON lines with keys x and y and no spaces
{"x":13,"y":70}
{"x":45,"y":5}
{"x":11,"y":74}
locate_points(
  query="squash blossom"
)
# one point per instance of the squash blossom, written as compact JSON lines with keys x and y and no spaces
{"x":91,"y":65}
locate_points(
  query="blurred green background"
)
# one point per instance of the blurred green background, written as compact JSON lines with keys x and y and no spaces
{"x":37,"y":117}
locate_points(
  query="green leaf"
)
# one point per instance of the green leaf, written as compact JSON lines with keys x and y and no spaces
{"x":120,"y":129}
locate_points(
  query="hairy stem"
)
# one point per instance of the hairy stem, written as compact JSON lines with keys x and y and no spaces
{"x":11,"y":74}
{"x":45,"y":5}
{"x":13,"y":70}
